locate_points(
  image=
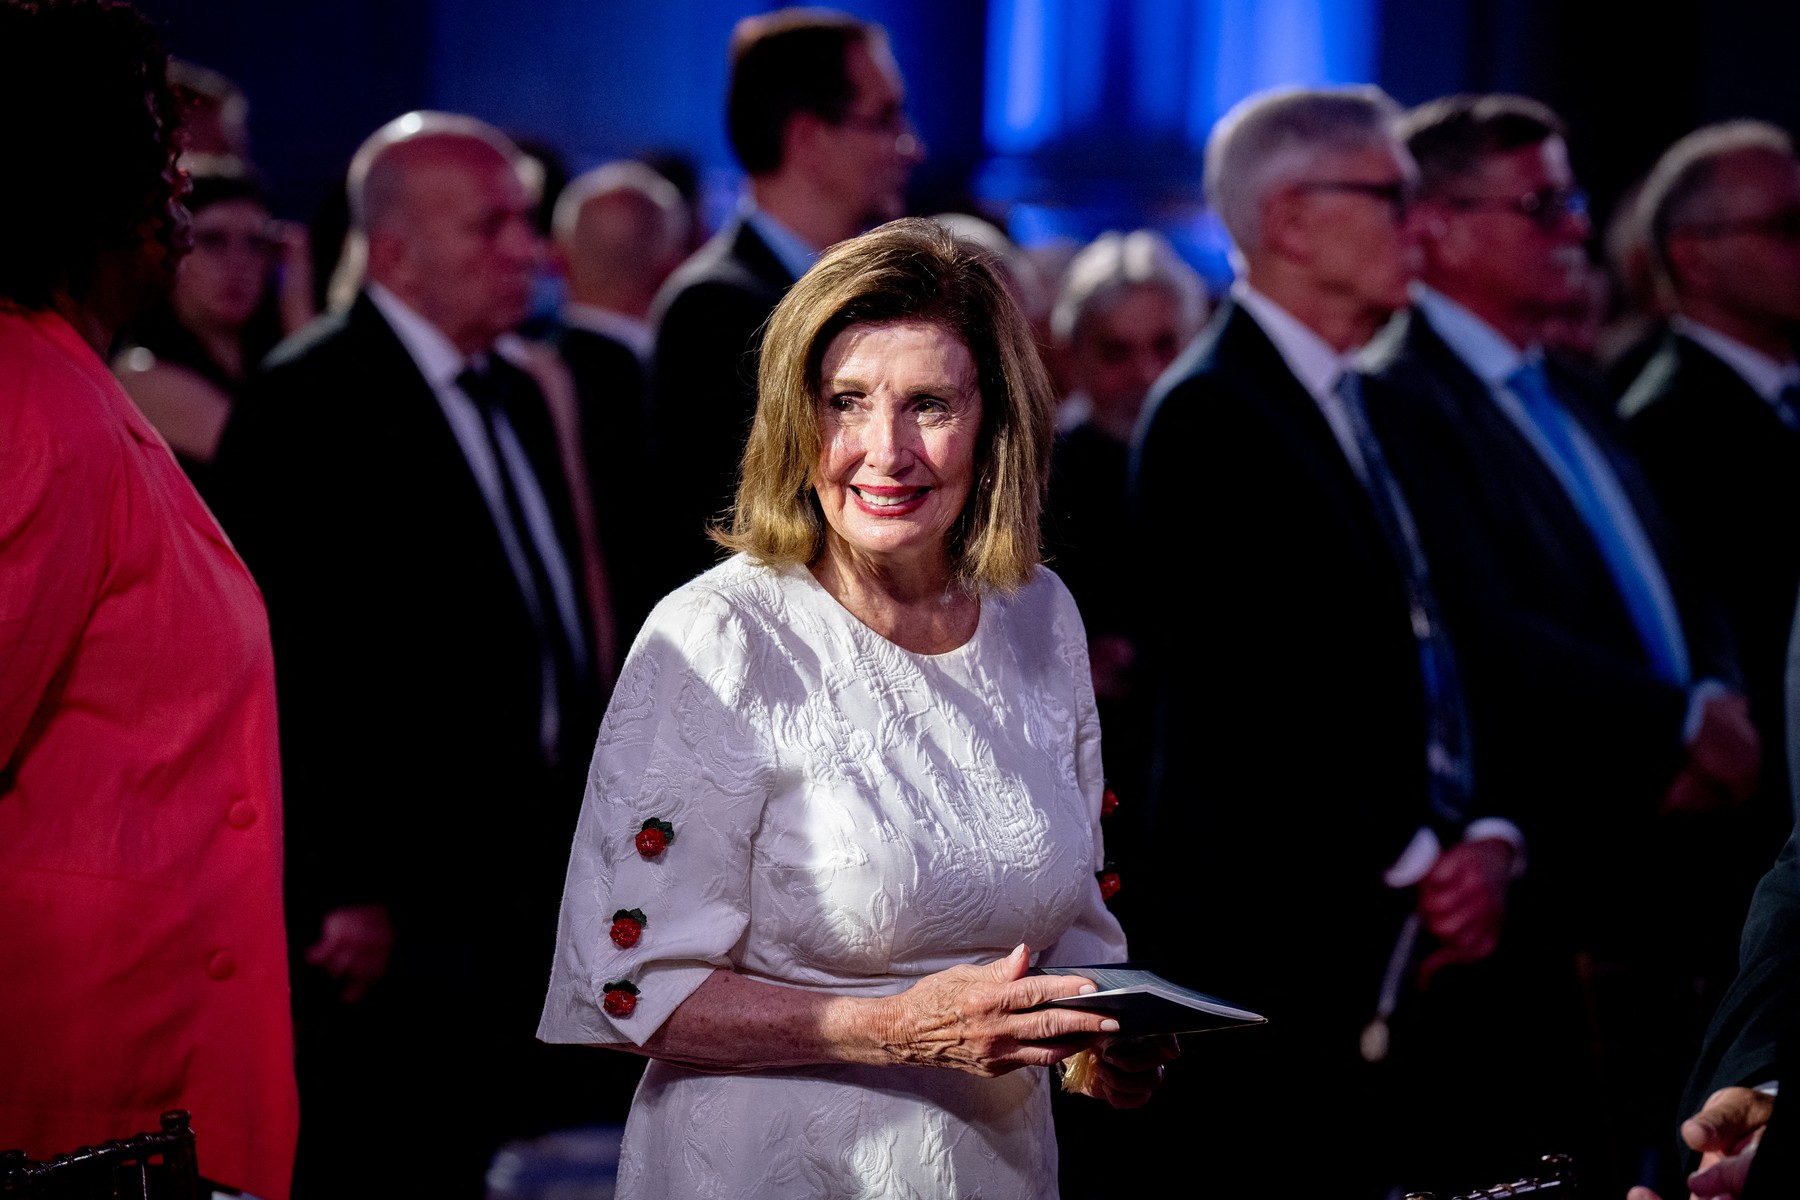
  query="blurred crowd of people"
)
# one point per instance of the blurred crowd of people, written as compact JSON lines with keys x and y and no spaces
{"x":1438,"y":581}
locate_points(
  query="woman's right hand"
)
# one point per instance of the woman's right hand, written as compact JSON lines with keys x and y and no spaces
{"x":972,"y":1018}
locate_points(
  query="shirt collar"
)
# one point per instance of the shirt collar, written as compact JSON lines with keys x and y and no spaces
{"x":1310,"y":357}
{"x":435,"y":355}
{"x":620,"y":327}
{"x":789,"y":248}
{"x":1481,"y":347}
{"x":1765,"y":376}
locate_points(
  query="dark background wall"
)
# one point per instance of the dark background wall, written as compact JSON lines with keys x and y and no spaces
{"x":602,"y":78}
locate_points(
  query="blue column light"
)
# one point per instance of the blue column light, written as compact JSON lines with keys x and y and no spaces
{"x":1097,"y":111}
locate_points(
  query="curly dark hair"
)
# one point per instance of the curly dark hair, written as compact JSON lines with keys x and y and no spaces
{"x":94,"y":124}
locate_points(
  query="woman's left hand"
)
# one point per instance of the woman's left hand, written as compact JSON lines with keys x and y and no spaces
{"x":1128,"y":1069}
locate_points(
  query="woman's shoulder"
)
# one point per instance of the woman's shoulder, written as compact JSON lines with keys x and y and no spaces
{"x":1044,"y":596}
{"x":738,"y":584}
{"x":738,"y":593}
{"x":1039,"y":614}
{"x":65,"y":412}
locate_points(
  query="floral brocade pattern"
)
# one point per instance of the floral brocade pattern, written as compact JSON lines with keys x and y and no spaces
{"x":849,"y":817}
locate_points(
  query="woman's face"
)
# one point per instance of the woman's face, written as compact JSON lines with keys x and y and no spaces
{"x":221,"y":280}
{"x":899,"y":414}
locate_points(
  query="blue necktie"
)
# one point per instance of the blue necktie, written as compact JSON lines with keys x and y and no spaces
{"x":1446,"y":715}
{"x":1630,"y":575}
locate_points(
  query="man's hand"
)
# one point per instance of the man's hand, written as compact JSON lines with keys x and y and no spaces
{"x":1463,"y":902}
{"x":1724,"y":760}
{"x":354,"y":945}
{"x":1726,"y":1131}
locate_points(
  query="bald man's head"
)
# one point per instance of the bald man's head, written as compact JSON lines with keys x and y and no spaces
{"x":619,"y":229}
{"x":446,"y":211}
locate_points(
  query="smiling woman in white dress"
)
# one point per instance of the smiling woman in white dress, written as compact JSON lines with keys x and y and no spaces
{"x":849,"y":785}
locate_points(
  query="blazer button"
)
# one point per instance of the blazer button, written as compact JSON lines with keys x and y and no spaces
{"x":241,"y":815}
{"x":222,"y":965}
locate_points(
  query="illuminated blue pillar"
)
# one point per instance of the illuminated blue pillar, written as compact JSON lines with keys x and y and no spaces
{"x":1097,"y":111}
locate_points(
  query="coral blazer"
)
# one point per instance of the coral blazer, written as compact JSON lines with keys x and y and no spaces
{"x":143,"y":962}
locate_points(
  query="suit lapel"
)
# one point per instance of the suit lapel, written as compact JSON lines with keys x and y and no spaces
{"x":1735,"y":401}
{"x":1254,"y":357}
{"x":749,"y":249}
{"x":408,"y":439}
{"x":1472,"y":406}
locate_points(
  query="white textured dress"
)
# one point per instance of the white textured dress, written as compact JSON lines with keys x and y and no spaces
{"x":848,"y":817}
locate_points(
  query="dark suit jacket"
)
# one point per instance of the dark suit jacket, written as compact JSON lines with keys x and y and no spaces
{"x":407,"y":663}
{"x":709,"y":320}
{"x":1290,"y":775}
{"x":1565,"y":706}
{"x":1086,"y":524}
{"x":1289,"y":770}
{"x":1755,"y":1034}
{"x":1744,"y":1045}
{"x":611,"y":386}
{"x":1727,"y":472}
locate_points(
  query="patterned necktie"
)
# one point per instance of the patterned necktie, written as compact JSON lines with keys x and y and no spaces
{"x":1532,"y":386}
{"x":1446,"y":712}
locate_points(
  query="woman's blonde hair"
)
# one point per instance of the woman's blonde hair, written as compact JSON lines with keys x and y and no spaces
{"x":910,"y":269}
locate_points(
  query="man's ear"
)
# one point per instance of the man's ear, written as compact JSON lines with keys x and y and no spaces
{"x":1689,"y":262}
{"x":1286,"y":227}
{"x":803,"y":140}
{"x":390,"y":254}
{"x":1441,"y":240}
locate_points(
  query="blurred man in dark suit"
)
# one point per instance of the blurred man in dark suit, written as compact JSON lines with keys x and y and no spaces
{"x":1601,"y":682}
{"x":1312,"y":801}
{"x":817,"y":117}
{"x":619,"y":230}
{"x":394,"y":485}
{"x":1715,"y":416}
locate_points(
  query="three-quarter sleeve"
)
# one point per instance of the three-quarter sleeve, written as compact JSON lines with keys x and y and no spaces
{"x":657,"y":891}
{"x":1096,"y":936}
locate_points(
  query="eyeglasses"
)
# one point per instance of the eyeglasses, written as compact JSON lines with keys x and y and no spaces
{"x":1546,"y":208}
{"x":1783,"y":226}
{"x":1398,"y":194}
{"x":891,"y":120}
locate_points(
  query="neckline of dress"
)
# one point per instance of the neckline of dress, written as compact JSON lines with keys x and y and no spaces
{"x":808,"y":579}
